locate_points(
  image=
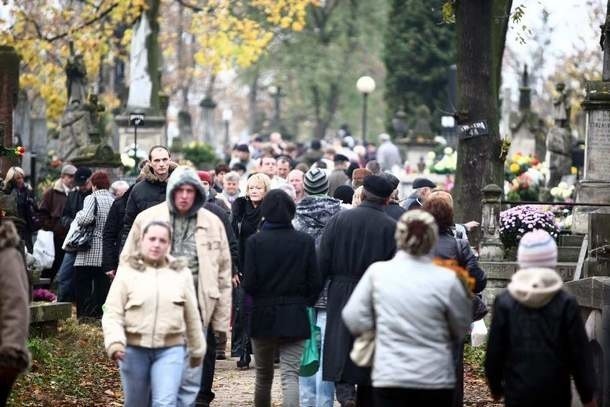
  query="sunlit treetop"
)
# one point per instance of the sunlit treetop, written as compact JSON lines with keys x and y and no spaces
{"x":227,"y":33}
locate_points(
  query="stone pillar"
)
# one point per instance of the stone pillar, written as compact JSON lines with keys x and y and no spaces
{"x":595,"y":185}
{"x":593,"y":296}
{"x":9,"y":88}
{"x":491,"y":248}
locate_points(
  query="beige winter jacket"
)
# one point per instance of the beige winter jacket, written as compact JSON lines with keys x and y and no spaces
{"x":214,"y":280}
{"x":152,"y":307}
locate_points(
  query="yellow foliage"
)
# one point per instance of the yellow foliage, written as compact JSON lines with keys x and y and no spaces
{"x":41,"y":32}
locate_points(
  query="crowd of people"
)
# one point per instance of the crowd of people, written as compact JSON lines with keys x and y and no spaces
{"x":181,"y":260}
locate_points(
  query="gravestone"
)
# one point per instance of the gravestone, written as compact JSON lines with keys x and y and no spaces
{"x":595,"y":185}
{"x":420,"y":141}
{"x":82,"y":140}
{"x":526,"y":127}
{"x":144,"y":95}
{"x":559,"y":139}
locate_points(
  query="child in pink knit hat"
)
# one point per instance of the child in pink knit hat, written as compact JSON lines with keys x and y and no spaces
{"x":537,"y":340}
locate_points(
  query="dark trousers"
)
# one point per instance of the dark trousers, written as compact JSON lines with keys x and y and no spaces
{"x":91,"y":285}
{"x":361,"y":394}
{"x":458,"y":394}
{"x":240,"y":340}
{"x":209,"y":366}
{"x":59,"y":258}
{"x":397,"y":397}
{"x":6,"y":385}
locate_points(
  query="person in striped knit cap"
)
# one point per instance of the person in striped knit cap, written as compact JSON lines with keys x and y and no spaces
{"x":537,"y":340}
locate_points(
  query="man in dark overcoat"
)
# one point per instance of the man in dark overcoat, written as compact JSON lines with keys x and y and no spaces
{"x":351,"y":242}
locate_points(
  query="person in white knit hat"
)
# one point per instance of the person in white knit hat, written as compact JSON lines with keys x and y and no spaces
{"x":537,"y":340}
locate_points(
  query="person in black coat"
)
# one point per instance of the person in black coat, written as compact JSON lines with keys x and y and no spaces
{"x":393,"y":209}
{"x":246,"y":217}
{"x":282,"y":276}
{"x":151,"y":190}
{"x":351,"y":242}
{"x":448,"y":247}
{"x":111,"y":242}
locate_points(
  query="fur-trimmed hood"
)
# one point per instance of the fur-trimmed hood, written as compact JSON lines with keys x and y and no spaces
{"x":8,"y":235}
{"x":149,"y":175}
{"x":137,"y":262}
{"x":60,"y":187}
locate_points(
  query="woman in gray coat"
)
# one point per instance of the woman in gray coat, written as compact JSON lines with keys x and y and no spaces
{"x":90,"y":282}
{"x":417,"y":310}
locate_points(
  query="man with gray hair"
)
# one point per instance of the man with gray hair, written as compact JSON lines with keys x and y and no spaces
{"x":118,"y":188}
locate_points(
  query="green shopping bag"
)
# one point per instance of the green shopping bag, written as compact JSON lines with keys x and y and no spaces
{"x":310,"y":361}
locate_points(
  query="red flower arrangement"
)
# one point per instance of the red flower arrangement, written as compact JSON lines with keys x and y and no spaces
{"x":461,"y":273}
{"x":18,"y":151}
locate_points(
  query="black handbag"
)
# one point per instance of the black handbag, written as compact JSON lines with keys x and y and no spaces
{"x":82,"y":238}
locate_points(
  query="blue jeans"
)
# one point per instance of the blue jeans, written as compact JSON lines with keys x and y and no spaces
{"x":65,"y":278}
{"x":315,"y":392}
{"x":156,"y":372}
{"x":190,"y":381}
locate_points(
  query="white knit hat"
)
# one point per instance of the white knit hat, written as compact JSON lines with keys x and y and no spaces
{"x":537,"y":249}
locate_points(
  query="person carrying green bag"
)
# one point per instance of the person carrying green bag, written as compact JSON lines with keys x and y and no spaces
{"x":310,"y":361}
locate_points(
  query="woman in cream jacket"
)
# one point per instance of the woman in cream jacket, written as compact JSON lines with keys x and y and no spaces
{"x":150,"y":309}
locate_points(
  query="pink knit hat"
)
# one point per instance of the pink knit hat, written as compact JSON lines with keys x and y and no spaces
{"x":537,"y":249}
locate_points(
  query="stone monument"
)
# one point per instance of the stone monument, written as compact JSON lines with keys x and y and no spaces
{"x":144,"y":95}
{"x":526,"y":127}
{"x":559,"y":139}
{"x":593,"y":292}
{"x":420,"y":140}
{"x":81,"y":139}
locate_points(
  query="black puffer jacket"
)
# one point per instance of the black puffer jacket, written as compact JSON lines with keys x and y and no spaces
{"x":146,"y":193}
{"x":245,"y":220}
{"x":74,"y":203}
{"x":448,"y":247}
{"x":532,"y":352}
{"x":111,"y":243}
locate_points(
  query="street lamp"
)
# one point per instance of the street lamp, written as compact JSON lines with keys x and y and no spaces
{"x":227,"y":115}
{"x":365,"y":85}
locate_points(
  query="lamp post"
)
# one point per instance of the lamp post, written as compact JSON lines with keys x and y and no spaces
{"x":227,"y":115}
{"x":365,"y":85}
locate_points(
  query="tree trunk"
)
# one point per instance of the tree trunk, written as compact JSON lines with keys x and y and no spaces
{"x":481,"y":32}
{"x":154,"y":55}
{"x":9,"y":88}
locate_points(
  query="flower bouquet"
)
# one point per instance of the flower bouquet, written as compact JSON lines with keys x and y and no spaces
{"x":518,"y":164}
{"x":517,"y":221}
{"x":18,"y":151}
{"x":563,"y":192}
{"x":42,"y":294}
{"x":447,"y":164}
{"x":522,"y":188}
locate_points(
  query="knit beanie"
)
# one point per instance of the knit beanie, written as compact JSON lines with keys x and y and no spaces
{"x":537,"y":249}
{"x":278,"y":207}
{"x":315,"y":182}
